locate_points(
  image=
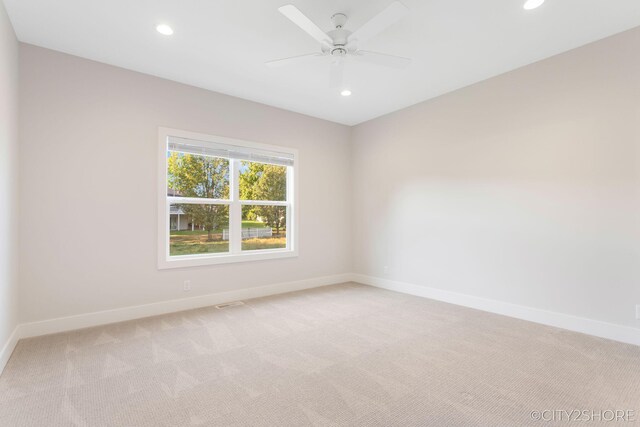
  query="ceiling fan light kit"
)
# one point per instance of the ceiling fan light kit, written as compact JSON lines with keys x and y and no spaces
{"x":341,"y":44}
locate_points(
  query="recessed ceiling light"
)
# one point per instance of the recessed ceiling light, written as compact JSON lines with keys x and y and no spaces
{"x":345,"y":92}
{"x":532,"y":4}
{"x":164,"y":29}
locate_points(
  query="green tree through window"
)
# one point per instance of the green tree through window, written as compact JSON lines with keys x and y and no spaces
{"x":202,"y":177}
{"x":259,"y":181}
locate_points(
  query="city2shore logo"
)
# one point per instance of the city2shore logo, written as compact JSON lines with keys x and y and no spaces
{"x":589,"y":415}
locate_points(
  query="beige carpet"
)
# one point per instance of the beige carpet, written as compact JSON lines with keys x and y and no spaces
{"x":347,"y":355}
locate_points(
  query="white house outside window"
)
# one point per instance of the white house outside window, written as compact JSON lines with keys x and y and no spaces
{"x":224,"y":200}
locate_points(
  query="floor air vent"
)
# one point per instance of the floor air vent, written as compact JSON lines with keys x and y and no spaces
{"x":228,"y":304}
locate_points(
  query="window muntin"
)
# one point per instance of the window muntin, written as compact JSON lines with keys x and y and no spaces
{"x":226,"y":200}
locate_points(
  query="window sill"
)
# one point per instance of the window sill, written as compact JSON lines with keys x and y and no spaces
{"x":208,"y":259}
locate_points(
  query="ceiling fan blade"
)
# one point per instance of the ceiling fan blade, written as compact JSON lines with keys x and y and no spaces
{"x":292,"y":60}
{"x":336,"y":74}
{"x":382,"y":59}
{"x":392,"y":14}
{"x":307,"y":25}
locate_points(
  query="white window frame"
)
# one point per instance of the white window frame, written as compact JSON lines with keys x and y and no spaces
{"x":235,"y":253}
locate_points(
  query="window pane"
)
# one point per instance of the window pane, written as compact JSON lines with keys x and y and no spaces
{"x":264,"y":227}
{"x":191,"y":175}
{"x":261,"y":181}
{"x":198,"y":229}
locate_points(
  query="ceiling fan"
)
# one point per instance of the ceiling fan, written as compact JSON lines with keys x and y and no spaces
{"x":339,"y":44}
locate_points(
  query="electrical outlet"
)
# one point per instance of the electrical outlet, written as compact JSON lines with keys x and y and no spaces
{"x":385,"y":269}
{"x":638,"y":311}
{"x":187,"y":285}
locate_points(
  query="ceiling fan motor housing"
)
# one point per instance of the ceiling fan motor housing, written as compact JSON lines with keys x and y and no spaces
{"x":339,"y":36}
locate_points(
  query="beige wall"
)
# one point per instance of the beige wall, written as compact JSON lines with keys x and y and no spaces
{"x":8,"y":179}
{"x":523,"y":188}
{"x":89,"y":141}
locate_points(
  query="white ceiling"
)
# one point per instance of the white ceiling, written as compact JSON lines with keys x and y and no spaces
{"x":222,"y":45}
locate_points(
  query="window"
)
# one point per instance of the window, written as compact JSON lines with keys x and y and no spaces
{"x":224,"y":200}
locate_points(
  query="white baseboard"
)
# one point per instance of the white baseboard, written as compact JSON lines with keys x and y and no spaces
{"x":596,"y":328}
{"x":8,"y":348}
{"x":87,"y":320}
{"x":564,"y":321}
